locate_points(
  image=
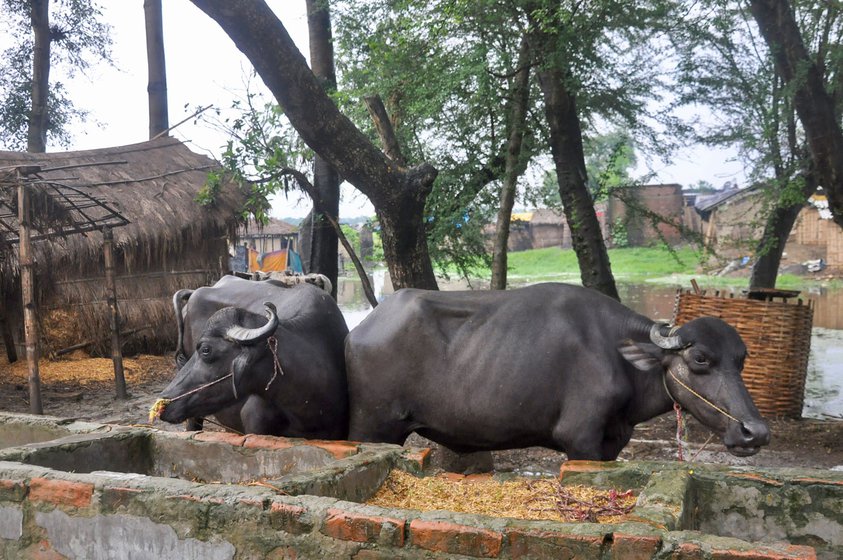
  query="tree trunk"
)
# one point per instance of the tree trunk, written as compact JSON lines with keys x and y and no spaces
{"x":567,"y":150}
{"x":326,"y":180}
{"x":514,"y":166}
{"x":156,"y":88}
{"x":776,"y":231}
{"x":38,"y":122}
{"x":814,"y":106}
{"x":397,"y":194}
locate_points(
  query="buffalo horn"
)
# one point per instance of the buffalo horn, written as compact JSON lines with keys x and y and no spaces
{"x":666,"y":342}
{"x":243,"y":335}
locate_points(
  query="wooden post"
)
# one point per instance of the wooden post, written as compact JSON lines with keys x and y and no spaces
{"x":111,"y":287}
{"x":30,"y":322}
{"x":8,"y":339}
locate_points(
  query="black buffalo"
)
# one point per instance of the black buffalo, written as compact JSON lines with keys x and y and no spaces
{"x":552,"y":365}
{"x":281,"y":364}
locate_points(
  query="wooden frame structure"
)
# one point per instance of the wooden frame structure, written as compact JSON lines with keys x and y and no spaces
{"x":64,"y":210}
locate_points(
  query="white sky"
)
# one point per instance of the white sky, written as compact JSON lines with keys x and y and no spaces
{"x":205,"y":68}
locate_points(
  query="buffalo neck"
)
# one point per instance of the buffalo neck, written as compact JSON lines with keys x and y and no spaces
{"x":650,"y":396}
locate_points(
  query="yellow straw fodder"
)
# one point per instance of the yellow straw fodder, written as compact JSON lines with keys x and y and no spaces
{"x":538,"y":499}
{"x":79,"y":369}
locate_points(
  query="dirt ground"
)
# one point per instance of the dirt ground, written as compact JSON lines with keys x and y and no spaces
{"x":84,"y":389}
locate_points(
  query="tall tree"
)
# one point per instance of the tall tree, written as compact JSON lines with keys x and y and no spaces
{"x":46,"y":46}
{"x":322,"y":256}
{"x":569,"y":160}
{"x":721,"y":67}
{"x":159,"y":120}
{"x":75,"y":37}
{"x":397,"y":193}
{"x":814,"y":105}
{"x":515,"y":161}
{"x":40,"y":17}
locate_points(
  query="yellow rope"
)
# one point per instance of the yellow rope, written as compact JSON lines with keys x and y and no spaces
{"x":702,"y":398}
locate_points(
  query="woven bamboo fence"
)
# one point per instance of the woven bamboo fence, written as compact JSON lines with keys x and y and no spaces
{"x":778,"y":339}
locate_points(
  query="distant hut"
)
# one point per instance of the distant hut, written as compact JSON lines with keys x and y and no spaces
{"x":171,"y":242}
{"x":270,"y":247}
{"x":816,"y":234}
{"x":731,"y":220}
{"x":647,"y":213}
{"x":540,"y":228}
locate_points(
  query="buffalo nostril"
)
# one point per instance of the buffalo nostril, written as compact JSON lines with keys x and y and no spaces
{"x":755,"y":432}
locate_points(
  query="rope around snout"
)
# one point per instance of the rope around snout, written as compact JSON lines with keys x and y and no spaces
{"x":702,"y":398}
{"x":680,"y":423}
{"x":159,"y":405}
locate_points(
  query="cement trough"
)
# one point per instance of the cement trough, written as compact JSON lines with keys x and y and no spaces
{"x":99,"y":491}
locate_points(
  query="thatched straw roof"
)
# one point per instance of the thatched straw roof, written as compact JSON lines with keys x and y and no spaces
{"x":274,"y":227}
{"x":154,"y":186}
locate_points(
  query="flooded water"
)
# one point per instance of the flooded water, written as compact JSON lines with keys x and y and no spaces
{"x":824,"y":379}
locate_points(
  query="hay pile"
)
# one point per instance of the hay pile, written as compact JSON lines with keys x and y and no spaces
{"x":537,"y":499}
{"x":80,"y":369}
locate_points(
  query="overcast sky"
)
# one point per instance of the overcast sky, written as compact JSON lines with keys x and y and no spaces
{"x":205,"y":68}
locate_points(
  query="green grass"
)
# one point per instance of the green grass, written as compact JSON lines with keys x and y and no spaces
{"x":631,"y":264}
{"x":634,"y":265}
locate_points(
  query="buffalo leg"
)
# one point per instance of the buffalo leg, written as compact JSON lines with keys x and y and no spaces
{"x":364,"y":427}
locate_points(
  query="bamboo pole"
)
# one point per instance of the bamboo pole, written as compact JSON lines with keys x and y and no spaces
{"x":30,"y":320}
{"x":111,"y":287}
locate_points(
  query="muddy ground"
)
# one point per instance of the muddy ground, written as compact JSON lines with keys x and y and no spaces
{"x":795,"y":443}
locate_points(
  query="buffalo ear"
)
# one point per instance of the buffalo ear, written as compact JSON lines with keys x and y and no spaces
{"x":641,"y":355}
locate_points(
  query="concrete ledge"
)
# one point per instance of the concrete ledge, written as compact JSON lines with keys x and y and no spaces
{"x":683,"y":510}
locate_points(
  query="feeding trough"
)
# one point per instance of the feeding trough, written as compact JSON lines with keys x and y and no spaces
{"x":100,"y":490}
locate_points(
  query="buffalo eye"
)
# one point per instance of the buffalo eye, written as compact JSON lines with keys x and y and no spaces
{"x":699,"y":361}
{"x":205,"y":350}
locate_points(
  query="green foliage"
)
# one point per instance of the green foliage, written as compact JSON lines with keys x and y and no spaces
{"x":261,"y":154}
{"x":79,"y":38}
{"x":353,"y":237}
{"x":444,"y":69}
{"x":620,"y":233}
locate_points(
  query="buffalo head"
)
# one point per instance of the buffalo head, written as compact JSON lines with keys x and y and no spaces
{"x":214,"y":376}
{"x":701,"y":364}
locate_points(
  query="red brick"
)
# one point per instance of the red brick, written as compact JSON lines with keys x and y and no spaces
{"x":61,"y":492}
{"x":419,"y":456}
{"x":12,"y":491}
{"x":256,"y":441}
{"x":633,"y":547}
{"x":358,"y":527}
{"x":442,"y":536}
{"x":220,"y":437}
{"x":572,"y":467}
{"x":114,"y":498}
{"x":289,"y":518}
{"x":757,"y":478}
{"x":687,"y":551}
{"x":42,"y":550}
{"x":551,"y":544}
{"x":811,"y":480}
{"x":339,"y":449}
{"x":452,"y":476}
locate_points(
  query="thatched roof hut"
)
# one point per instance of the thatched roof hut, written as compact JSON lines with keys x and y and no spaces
{"x":170,"y":241}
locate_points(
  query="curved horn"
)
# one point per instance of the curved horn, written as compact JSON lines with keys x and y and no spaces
{"x":666,"y":342}
{"x":179,"y":300}
{"x":242,"y":335}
